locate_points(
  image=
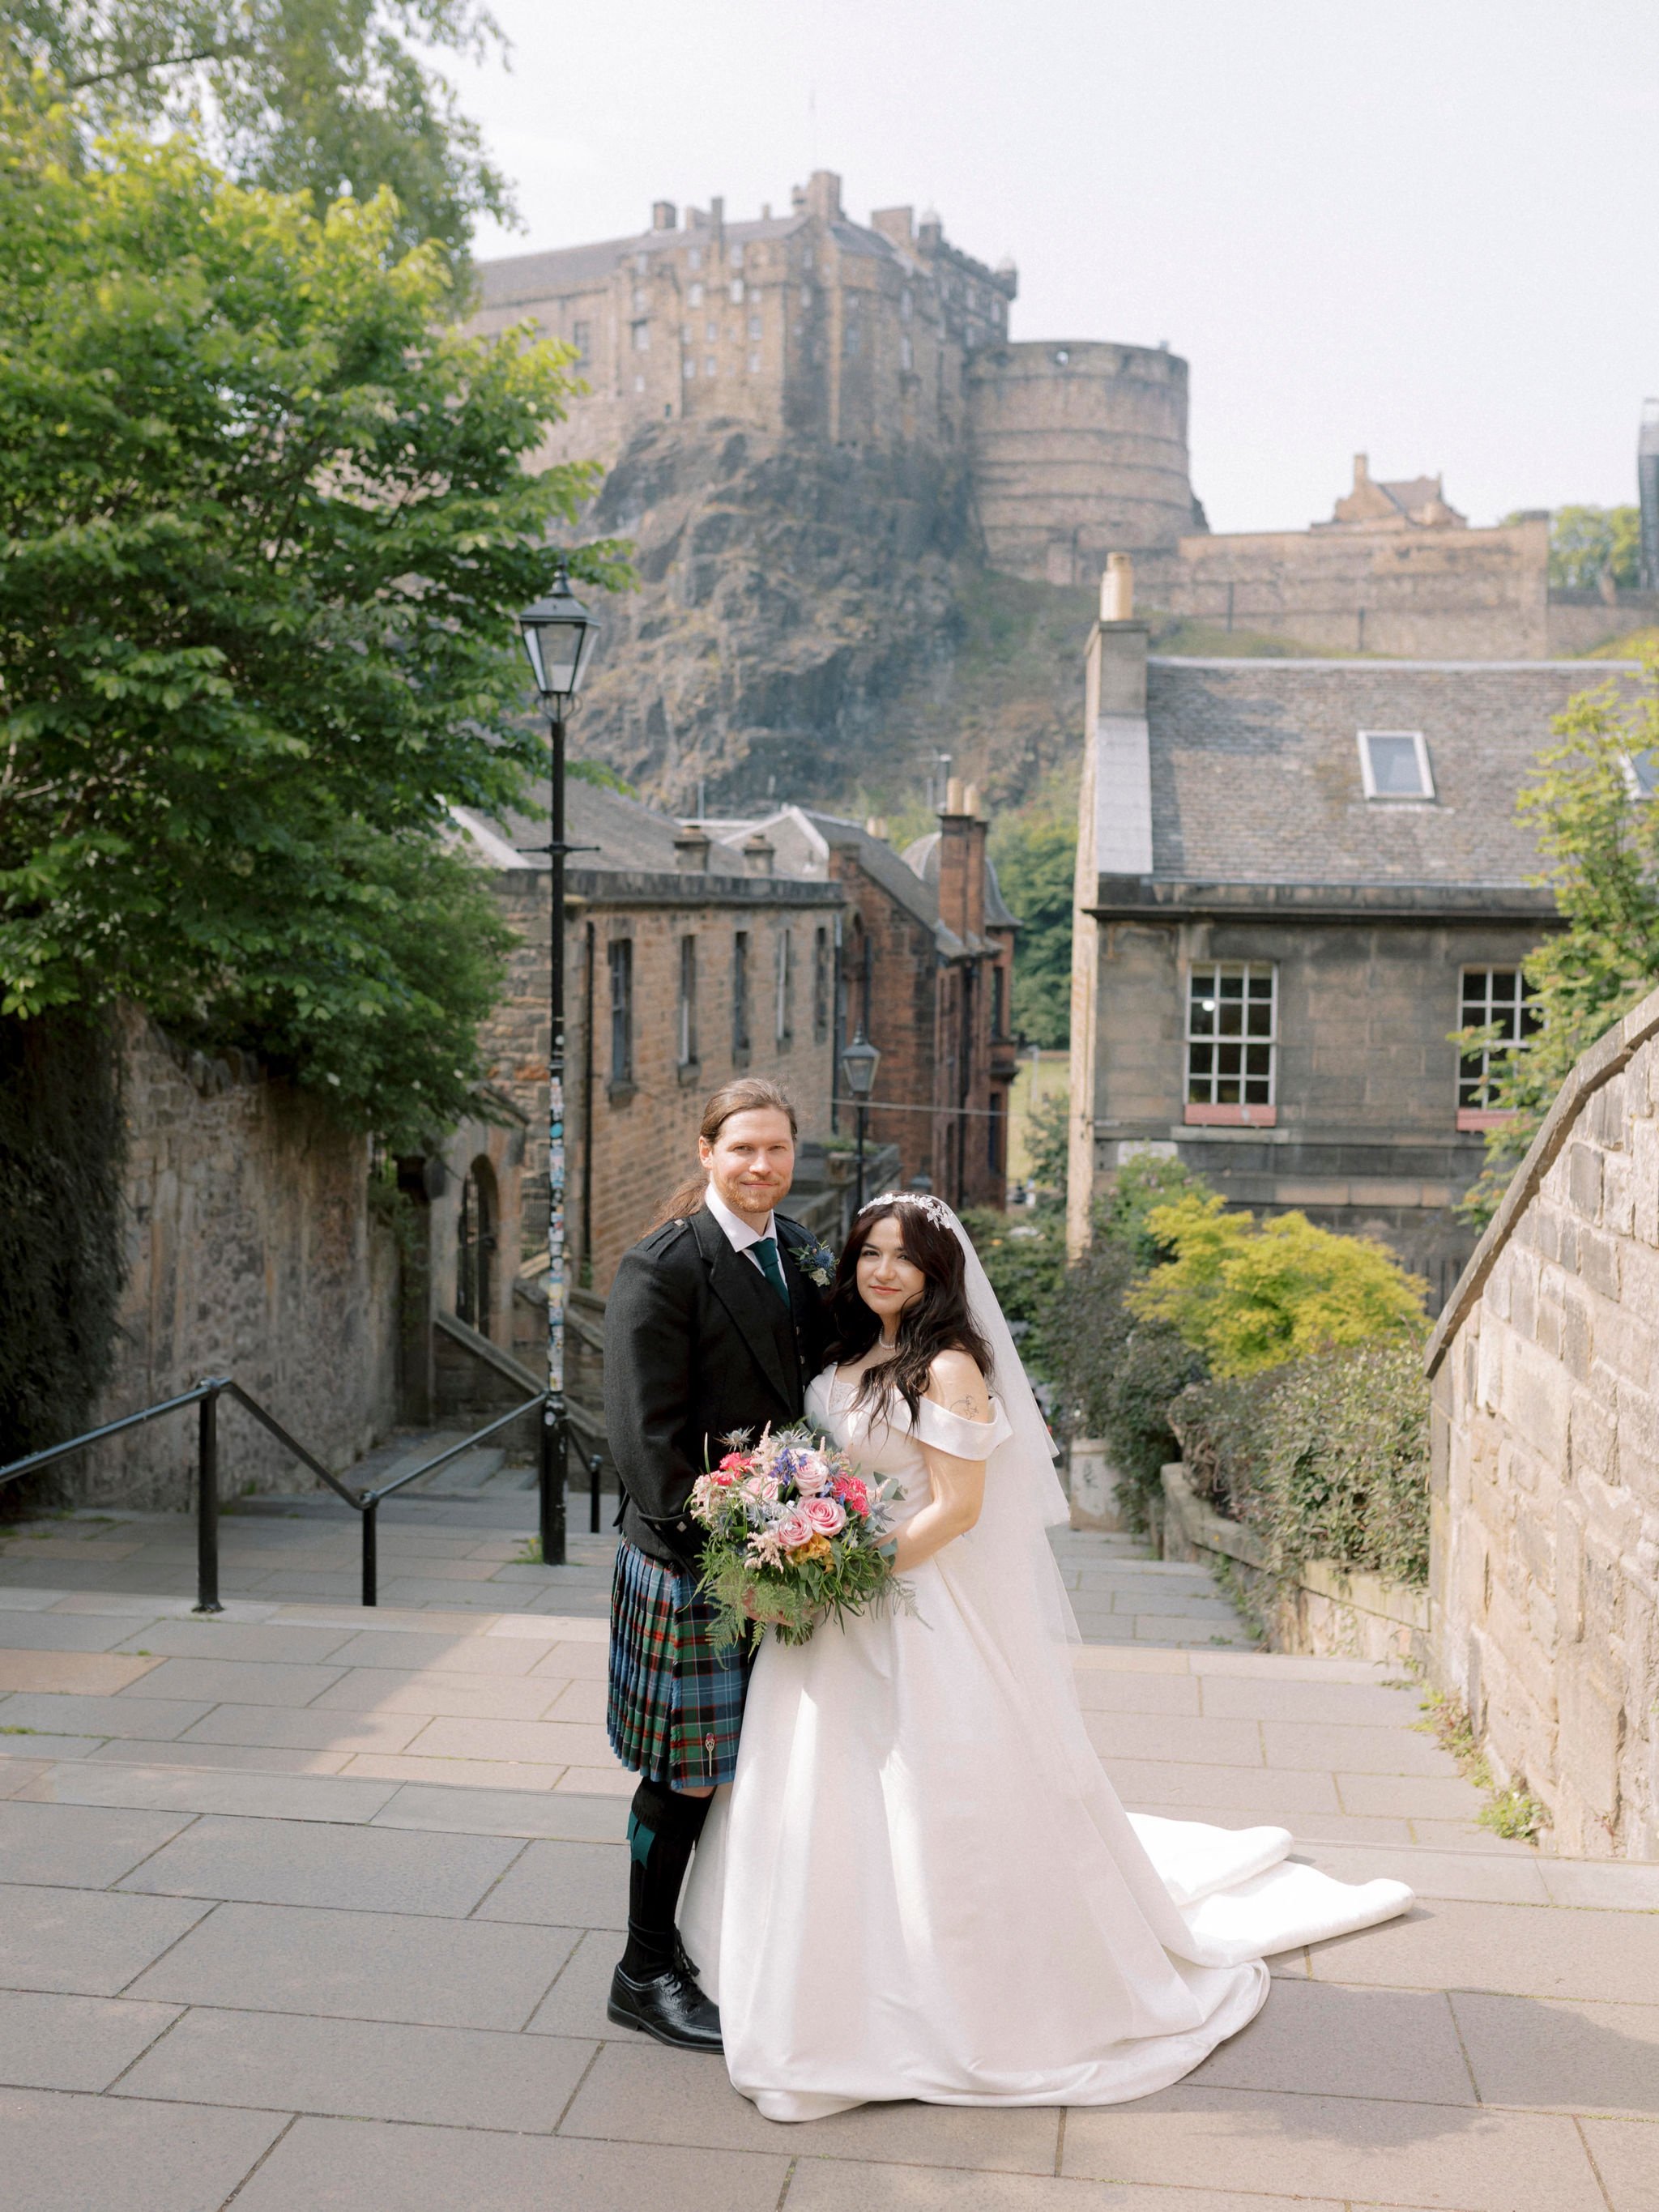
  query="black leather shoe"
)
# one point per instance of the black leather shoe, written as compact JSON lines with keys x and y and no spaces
{"x":669,"y":2006}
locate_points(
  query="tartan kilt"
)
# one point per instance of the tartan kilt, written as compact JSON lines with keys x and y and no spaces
{"x":675,"y":1705}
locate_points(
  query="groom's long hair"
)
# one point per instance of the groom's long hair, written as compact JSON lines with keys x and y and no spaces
{"x":938,"y":1322}
{"x":741,"y":1095}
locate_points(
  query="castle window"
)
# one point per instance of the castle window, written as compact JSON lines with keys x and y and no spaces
{"x":711,"y":369}
{"x":1394,"y":764}
{"x":689,"y":370}
{"x":1232,"y":1043}
{"x":640,"y":302}
{"x":581,"y":337}
{"x":641,"y":335}
{"x":907,"y":351}
{"x":852,"y":338}
{"x":694,"y":296}
{"x":754,"y":327}
{"x":1501,"y":1000}
{"x":784,"y":1016}
{"x":687,"y":1032}
{"x":740,"y":995}
{"x":621,"y":1011}
{"x":737,"y":289}
{"x":906,"y":303}
{"x":754,"y":364}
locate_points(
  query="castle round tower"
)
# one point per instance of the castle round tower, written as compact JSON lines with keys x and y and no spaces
{"x":1079,"y":450}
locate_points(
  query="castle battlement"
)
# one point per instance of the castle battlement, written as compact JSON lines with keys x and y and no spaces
{"x":872,"y":335}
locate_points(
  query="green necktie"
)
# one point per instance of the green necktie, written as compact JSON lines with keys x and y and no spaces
{"x":765,"y":1250}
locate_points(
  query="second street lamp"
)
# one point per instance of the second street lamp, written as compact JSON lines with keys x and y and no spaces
{"x":859,"y":1061}
{"x":559,"y":634}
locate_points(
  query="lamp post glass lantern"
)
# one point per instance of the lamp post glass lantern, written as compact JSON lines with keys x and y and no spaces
{"x":559,"y":634}
{"x":858,"y":1062}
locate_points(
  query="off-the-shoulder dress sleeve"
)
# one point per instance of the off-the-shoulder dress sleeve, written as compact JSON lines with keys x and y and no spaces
{"x":961,"y":1437}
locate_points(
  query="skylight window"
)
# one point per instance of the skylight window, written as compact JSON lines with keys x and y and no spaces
{"x":1643,"y":769}
{"x":1394,"y":764}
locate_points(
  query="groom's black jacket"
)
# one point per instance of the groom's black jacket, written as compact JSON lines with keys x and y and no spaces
{"x":697,"y":1343}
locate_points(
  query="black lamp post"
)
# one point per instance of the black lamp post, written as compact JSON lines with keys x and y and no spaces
{"x":559,"y":634}
{"x":858,"y":1066}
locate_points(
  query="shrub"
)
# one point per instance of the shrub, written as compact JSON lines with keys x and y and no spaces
{"x":1250,"y":1296}
{"x":1328,"y":1459}
{"x":1026,"y":1262}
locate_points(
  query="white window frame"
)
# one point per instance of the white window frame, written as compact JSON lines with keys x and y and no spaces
{"x":1213,"y":1040}
{"x":1474,"y":1112}
{"x":1424,"y":796}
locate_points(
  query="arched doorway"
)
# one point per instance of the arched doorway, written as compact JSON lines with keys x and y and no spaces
{"x":476,"y":1241}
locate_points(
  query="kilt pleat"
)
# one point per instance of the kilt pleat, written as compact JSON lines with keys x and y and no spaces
{"x":675,"y":1703}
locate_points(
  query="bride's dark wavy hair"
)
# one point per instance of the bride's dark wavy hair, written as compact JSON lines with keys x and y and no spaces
{"x":938,"y":1322}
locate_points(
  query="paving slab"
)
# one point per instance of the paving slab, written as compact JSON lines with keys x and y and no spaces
{"x":564,"y":1884}
{"x":1580,"y":2058}
{"x":1350,"y":1748}
{"x":1449,"y":2157}
{"x":237,"y":1639}
{"x":309,"y":1728}
{"x":85,"y":1942}
{"x":1416,"y":1797}
{"x":80,"y":1846}
{"x":552,"y":1743}
{"x":1341,"y":1704}
{"x":1120,"y":1735}
{"x":1516,"y":1950}
{"x":1317,"y":2039}
{"x":244,"y":1758}
{"x":55,"y":2042}
{"x":70,"y":1632}
{"x":65,"y":2152}
{"x":446,"y":1654}
{"x":575,"y":2005}
{"x":825,"y":2186}
{"x":1477,"y":1878}
{"x":370,"y":2069}
{"x":358,"y":1965}
{"x":327,"y":2165}
{"x":1140,"y":1782}
{"x":306,"y":1862}
{"x":278,"y":1796}
{"x":238,"y":1681}
{"x":459,"y":1696}
{"x":68,"y":1715}
{"x":1624,"y":2152}
{"x":576,"y":1815}
{"x":472,"y":1774}
{"x":631,"y":2096}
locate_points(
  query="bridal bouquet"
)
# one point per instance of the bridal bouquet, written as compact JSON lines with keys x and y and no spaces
{"x":794,"y":1536}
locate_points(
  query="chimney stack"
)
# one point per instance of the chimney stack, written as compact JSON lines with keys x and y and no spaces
{"x":757,"y":853}
{"x":1362,"y":470}
{"x":1117,"y":589}
{"x":662,"y":215}
{"x":691,"y":849}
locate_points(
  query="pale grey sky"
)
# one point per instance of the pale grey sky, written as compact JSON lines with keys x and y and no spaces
{"x":1423,"y":230}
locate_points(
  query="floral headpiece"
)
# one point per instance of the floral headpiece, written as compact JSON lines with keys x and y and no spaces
{"x":935,"y":1208}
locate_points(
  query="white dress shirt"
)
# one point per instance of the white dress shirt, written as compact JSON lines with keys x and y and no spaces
{"x":741,"y":1233}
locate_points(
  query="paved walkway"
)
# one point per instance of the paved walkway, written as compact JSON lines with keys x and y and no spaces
{"x":312,"y":1907}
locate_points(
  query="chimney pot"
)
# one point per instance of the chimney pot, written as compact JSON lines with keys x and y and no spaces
{"x":1117,"y":589}
{"x":1362,"y":470}
{"x":875,"y":825}
{"x":953,"y":798}
{"x":970,"y":801}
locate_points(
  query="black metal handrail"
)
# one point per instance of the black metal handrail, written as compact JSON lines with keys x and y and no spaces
{"x":366,"y":1504}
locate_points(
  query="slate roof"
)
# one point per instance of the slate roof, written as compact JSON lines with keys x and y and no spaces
{"x":1255,"y":773}
{"x":629,"y":835}
{"x":520,"y":279}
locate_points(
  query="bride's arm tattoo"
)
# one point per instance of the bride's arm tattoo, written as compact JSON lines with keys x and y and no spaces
{"x":967,"y":1405}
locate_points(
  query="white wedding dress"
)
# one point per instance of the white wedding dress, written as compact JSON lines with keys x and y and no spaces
{"x":920,"y":1883}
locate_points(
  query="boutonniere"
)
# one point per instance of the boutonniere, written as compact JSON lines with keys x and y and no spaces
{"x":818,"y":1264}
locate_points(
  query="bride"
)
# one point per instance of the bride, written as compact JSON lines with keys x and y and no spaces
{"x":919,"y":1883}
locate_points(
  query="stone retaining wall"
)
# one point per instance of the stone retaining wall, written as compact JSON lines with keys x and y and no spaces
{"x":1545,"y":1577}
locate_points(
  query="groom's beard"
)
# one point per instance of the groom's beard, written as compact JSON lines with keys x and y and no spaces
{"x":750,"y":1200}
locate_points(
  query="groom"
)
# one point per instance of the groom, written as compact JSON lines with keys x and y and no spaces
{"x":717,"y":1321}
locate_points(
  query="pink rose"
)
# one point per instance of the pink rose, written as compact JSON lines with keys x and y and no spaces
{"x":795,"y":1530}
{"x":825,"y":1516}
{"x":813,"y":1474}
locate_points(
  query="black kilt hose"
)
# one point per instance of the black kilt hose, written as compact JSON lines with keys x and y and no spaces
{"x":697,"y":1344}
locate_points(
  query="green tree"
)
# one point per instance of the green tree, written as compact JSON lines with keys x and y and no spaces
{"x":266,"y":527}
{"x":1035,"y":854}
{"x":1592,"y":811}
{"x":1248,"y":1295}
{"x":1589,"y":543}
{"x":299,"y":95}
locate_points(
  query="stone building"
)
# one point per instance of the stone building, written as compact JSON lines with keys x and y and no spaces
{"x":1544,"y":1483}
{"x":925,"y":968}
{"x":678,"y":974}
{"x":1295,"y":879}
{"x":879,"y":335}
{"x":1395,"y":570}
